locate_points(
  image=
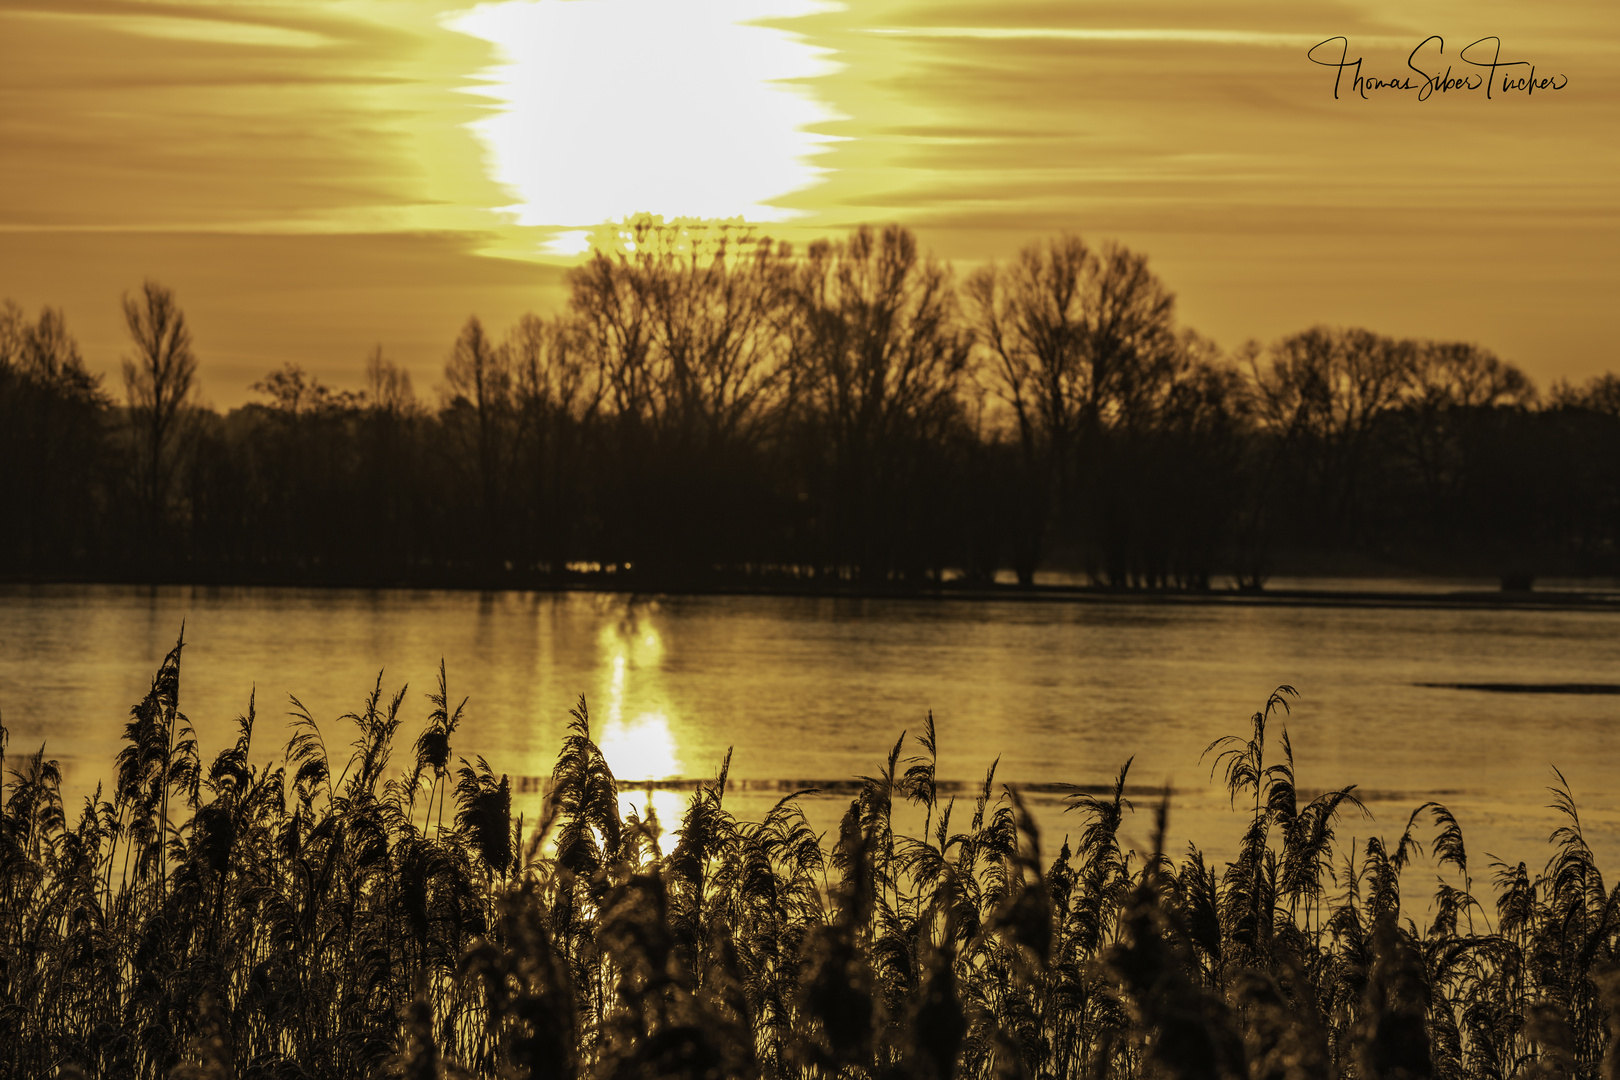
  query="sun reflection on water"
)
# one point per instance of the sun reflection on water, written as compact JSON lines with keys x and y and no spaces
{"x":636,"y":739}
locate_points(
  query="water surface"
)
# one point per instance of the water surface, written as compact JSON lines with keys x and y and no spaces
{"x":807,"y":689}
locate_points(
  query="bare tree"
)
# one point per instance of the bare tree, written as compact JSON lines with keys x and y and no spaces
{"x":552,"y":376}
{"x":558,"y":394}
{"x":44,"y":351}
{"x":51,"y":439}
{"x":1321,"y":397}
{"x":1165,"y":484}
{"x":1453,"y":385}
{"x":1132,"y":352}
{"x":878,"y":343}
{"x":1030,"y":319}
{"x":158,"y":385}
{"x":1599,"y":394}
{"x":480,"y":413}
{"x":880,"y":355}
{"x":718,"y":325}
{"x":612,"y":310}
{"x":1451,"y":374}
{"x":685,"y":327}
{"x":1079,"y":342}
{"x":294,"y":392}
{"x":681,"y":323}
{"x":388,"y":386}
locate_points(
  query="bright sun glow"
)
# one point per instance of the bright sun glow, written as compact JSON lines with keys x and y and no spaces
{"x":641,"y":746}
{"x":615,"y":107}
{"x":644,"y":749}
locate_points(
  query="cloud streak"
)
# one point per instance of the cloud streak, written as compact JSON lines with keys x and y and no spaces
{"x":1167,"y":35}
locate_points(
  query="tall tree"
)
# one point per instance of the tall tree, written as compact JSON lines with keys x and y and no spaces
{"x":881,"y":351}
{"x":558,"y":395}
{"x":1029,"y":317}
{"x":480,"y":418}
{"x":388,"y":386}
{"x":1081,"y":343}
{"x":158,"y":385}
{"x":682,"y":318}
{"x":52,"y":441}
{"x":1321,"y":399}
{"x":682,"y":321}
{"x":1455,"y":387}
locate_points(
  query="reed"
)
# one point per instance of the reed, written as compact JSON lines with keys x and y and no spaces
{"x":333,"y":914}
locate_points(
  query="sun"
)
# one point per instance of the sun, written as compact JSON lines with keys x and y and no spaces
{"x":616,"y":107}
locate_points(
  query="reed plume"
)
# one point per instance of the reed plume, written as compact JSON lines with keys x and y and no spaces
{"x":311,"y":914}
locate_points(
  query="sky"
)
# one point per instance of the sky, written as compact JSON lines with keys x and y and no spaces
{"x":314,"y":179}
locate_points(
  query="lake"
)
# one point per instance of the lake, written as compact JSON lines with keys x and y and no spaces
{"x":816,"y":690}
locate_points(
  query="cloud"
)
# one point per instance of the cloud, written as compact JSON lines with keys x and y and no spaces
{"x":191,"y":28}
{"x":256,"y":117}
{"x":1192,"y":36}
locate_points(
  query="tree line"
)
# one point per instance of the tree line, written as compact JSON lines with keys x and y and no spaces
{"x":713,"y":405}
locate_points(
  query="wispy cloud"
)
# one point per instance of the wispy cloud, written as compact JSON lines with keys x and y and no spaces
{"x":200,"y":28}
{"x":1134,"y":34}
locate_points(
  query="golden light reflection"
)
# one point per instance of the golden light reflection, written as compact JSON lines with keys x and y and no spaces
{"x":641,"y":749}
{"x":616,"y":107}
{"x":638,"y":743}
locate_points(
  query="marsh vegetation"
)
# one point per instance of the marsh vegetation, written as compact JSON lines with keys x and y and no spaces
{"x":361,"y":902}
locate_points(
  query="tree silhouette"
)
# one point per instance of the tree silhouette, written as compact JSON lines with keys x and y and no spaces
{"x":559,"y":398}
{"x":881,"y":352}
{"x":682,"y":323}
{"x":1030,"y":318}
{"x":52,"y":441}
{"x":1083,"y":350}
{"x":158,"y":384}
{"x":711,"y":406}
{"x":1321,"y":398}
{"x":481,"y":421}
{"x":388,"y":386}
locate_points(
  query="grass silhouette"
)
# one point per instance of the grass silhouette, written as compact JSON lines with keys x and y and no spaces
{"x":338,"y":915}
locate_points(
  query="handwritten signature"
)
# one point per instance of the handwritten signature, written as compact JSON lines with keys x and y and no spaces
{"x":1429,"y":83}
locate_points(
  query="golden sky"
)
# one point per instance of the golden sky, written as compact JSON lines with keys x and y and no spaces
{"x":314,"y":178}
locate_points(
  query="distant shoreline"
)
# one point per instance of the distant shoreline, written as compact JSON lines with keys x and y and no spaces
{"x":1482,"y":598}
